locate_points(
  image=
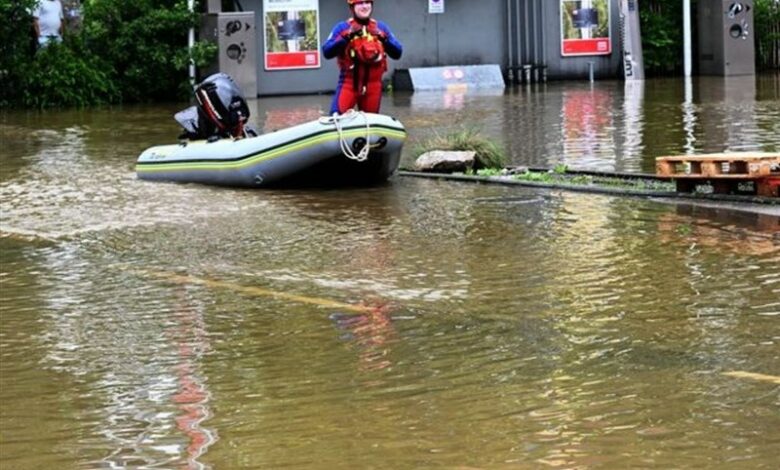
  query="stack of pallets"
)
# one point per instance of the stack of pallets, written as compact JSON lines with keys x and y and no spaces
{"x":725,"y":172}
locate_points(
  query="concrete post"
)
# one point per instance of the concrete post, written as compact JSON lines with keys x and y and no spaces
{"x":687,"y":36}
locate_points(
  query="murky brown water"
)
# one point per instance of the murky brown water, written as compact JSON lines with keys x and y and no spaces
{"x":420,"y":324}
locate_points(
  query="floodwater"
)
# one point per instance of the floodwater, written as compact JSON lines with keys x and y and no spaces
{"x":418,"y":324}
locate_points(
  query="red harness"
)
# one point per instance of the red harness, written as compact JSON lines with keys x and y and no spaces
{"x":363,"y":53}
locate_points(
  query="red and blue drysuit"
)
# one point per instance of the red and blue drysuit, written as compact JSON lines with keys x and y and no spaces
{"x":362,"y":51}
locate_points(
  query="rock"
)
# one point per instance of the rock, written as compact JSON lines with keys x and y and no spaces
{"x":445,"y":161}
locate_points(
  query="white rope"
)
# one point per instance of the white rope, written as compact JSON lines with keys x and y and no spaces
{"x":337,"y":120}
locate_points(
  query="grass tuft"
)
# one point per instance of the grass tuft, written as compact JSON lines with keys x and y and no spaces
{"x":488,"y":153}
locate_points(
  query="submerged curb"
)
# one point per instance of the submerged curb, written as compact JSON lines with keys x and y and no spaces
{"x":595,"y":189}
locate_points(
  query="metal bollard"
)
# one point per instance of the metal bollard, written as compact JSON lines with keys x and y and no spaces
{"x":590,"y":71}
{"x":544,"y":73}
{"x":527,"y":73}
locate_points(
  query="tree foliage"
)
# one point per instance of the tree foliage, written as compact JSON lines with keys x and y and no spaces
{"x":63,"y":75}
{"x":662,"y":36}
{"x":145,"y":41}
{"x":123,"y":52}
{"x":767,"y":20}
{"x":16,"y":45}
{"x":662,"y":33}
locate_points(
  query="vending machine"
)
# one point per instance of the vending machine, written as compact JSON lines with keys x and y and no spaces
{"x":236,"y":38}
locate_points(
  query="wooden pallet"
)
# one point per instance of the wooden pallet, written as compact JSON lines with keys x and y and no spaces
{"x":724,"y":171}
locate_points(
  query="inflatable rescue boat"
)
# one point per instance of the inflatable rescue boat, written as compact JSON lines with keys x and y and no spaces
{"x":353,"y":148}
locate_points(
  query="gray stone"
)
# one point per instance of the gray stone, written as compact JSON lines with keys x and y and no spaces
{"x":445,"y":161}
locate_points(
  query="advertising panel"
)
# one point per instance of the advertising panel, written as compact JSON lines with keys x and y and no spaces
{"x":292,"y":39}
{"x":585,"y":27}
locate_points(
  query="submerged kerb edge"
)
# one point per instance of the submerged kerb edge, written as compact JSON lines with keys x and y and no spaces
{"x":270,"y":153}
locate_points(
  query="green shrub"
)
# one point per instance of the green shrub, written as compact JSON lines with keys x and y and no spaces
{"x":124,"y":51}
{"x":662,"y":38}
{"x":488,"y":153}
{"x":662,"y":33}
{"x":488,"y":172}
{"x":16,"y":46}
{"x":145,"y":41}
{"x":59,"y":75}
{"x":767,"y":26}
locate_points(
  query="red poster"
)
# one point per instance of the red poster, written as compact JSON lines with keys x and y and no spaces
{"x":587,"y":46}
{"x":585,"y":27}
{"x":292,"y":39}
{"x":291,"y":60}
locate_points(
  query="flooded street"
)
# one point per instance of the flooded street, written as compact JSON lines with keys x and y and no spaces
{"x":418,"y":324}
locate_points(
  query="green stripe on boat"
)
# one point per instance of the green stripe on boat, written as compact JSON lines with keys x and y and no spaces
{"x":267,"y":155}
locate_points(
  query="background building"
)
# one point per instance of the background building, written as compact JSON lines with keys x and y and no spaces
{"x":553,"y":38}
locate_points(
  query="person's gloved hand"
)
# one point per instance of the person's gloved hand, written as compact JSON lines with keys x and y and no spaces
{"x":352,"y":33}
{"x":374,"y":30}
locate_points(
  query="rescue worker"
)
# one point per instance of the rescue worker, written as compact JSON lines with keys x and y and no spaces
{"x":362,"y":45}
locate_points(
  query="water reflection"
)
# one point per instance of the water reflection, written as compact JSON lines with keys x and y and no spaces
{"x":728,"y":116}
{"x":192,"y":397}
{"x":276,"y":119}
{"x":689,"y":118}
{"x":632,"y":146}
{"x":722,"y":230}
{"x":132,"y":369}
{"x":372,"y":332}
{"x":451,"y":100}
{"x":587,"y":125}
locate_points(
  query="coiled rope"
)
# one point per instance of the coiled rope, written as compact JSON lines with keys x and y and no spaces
{"x":338,"y":120}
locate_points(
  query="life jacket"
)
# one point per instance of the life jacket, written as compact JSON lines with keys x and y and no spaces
{"x":363,"y":53}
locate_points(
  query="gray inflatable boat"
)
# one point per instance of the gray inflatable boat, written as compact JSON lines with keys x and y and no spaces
{"x":354,"y":148}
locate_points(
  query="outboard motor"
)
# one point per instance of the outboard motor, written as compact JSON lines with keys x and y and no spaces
{"x":221,"y":111}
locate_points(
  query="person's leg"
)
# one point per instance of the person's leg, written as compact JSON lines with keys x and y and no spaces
{"x":347,"y":97}
{"x":371,"y":101}
{"x":44,"y":41}
{"x":334,"y":103}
